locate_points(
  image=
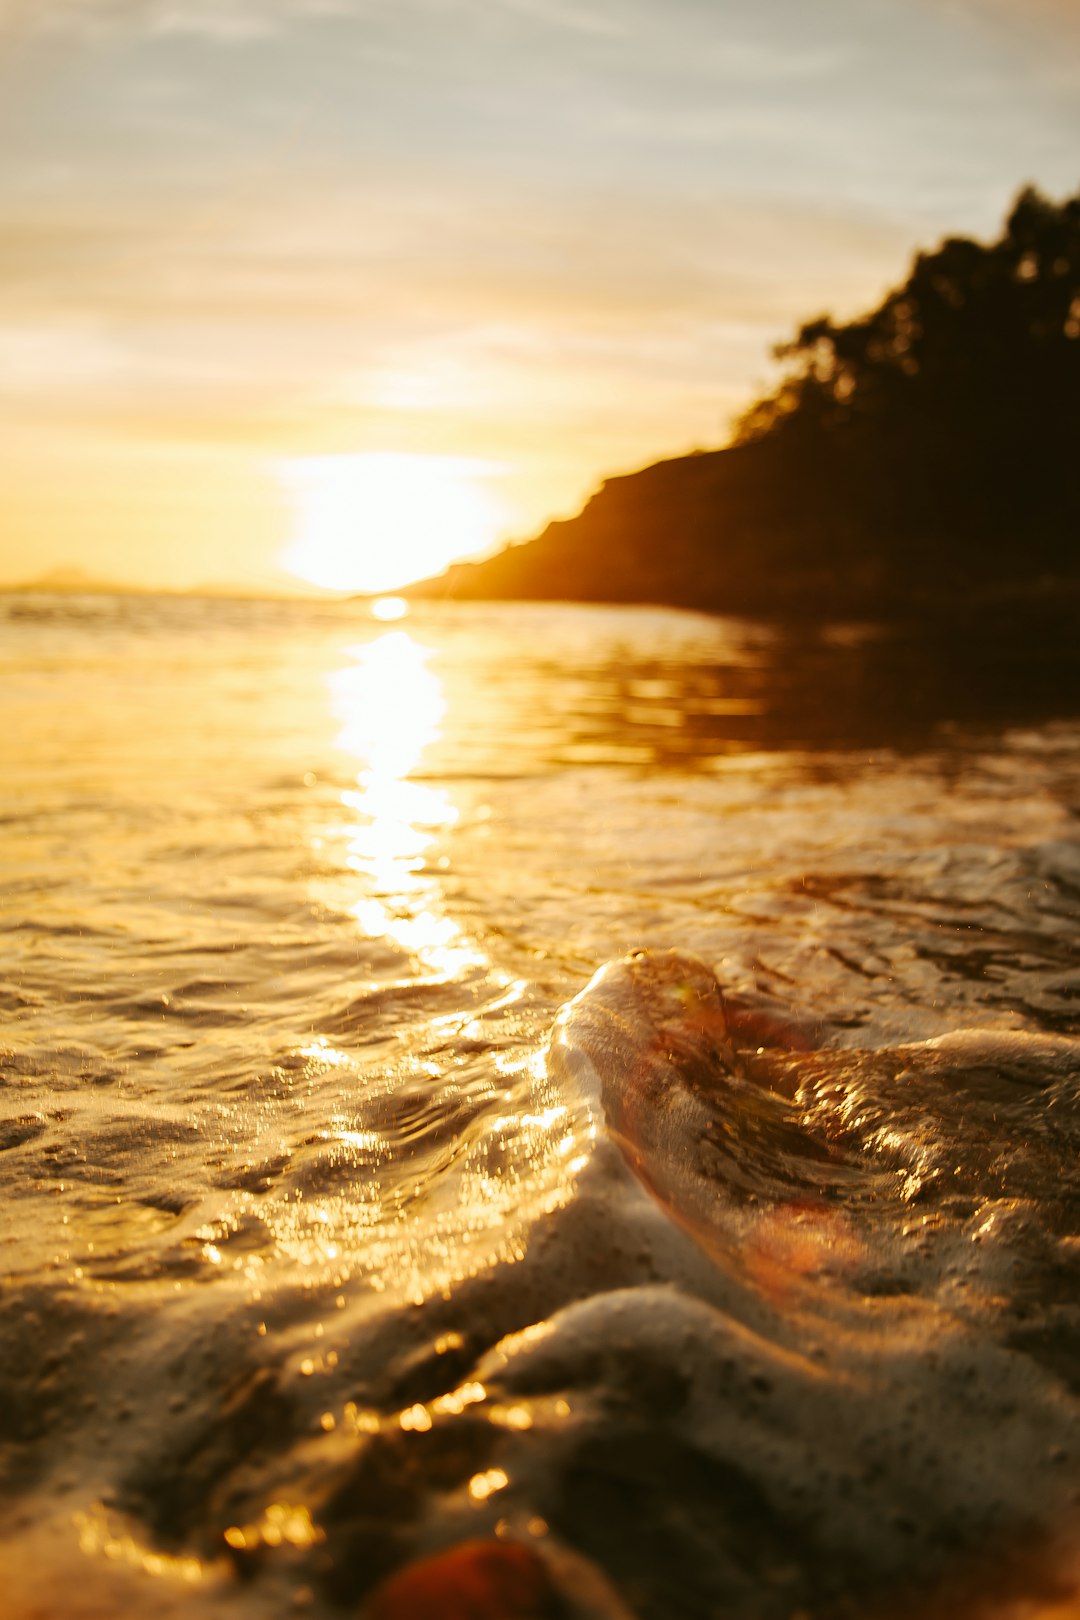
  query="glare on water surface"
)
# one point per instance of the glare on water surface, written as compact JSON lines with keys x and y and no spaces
{"x":299,"y":1205}
{"x":392,"y":704}
{"x":358,"y":1218}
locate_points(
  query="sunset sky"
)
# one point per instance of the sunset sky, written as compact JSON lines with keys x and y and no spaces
{"x":328,"y":290}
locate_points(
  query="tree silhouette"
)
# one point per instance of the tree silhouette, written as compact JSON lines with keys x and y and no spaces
{"x":949,"y":416}
{"x":924,"y":455}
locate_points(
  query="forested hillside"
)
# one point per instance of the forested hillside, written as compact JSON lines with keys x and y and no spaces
{"x":925,"y":453}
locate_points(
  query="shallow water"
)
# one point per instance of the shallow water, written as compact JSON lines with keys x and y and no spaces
{"x":318,"y":1260}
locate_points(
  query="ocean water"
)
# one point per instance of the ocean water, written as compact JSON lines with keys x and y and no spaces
{"x":331,"y":1244}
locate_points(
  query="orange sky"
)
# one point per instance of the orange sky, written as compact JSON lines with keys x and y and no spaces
{"x":341,"y":286}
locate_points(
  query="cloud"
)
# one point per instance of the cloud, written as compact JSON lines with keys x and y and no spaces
{"x":282,"y":254}
{"x":220,"y":20}
{"x":1036,"y":41}
{"x":308,"y":323}
{"x":419,"y":223}
{"x":237,"y":20}
{"x":1023,"y":11}
{"x":570,"y":16}
{"x":1023,"y":18}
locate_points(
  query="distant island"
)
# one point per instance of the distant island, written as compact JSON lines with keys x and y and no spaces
{"x":923,"y":456}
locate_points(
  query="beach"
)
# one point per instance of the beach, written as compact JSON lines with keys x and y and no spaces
{"x":319,"y":1260}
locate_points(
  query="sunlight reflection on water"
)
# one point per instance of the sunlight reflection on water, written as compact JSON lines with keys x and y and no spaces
{"x":432,"y":1167}
{"x":392,"y":705}
{"x":280,"y":973}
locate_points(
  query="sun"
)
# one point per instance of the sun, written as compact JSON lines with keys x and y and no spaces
{"x":375,"y":521}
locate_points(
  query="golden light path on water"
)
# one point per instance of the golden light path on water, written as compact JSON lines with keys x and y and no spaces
{"x":437,"y":1154}
{"x":391,"y":705}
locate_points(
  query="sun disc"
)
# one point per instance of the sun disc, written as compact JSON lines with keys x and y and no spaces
{"x":376,"y":521}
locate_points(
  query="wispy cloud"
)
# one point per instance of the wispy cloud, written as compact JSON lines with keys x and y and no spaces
{"x":1021,"y":11}
{"x":228,"y":20}
{"x":1030,"y":22}
{"x":330,"y":322}
{"x":569,"y":15}
{"x":276,"y":253}
{"x":224,"y":20}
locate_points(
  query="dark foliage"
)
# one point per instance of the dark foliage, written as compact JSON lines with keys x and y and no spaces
{"x":948,"y":418}
{"x":925,"y":453}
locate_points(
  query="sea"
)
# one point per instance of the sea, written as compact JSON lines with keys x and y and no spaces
{"x":523,"y":1110}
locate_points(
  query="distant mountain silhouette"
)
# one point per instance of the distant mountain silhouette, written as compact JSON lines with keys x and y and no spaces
{"x":925,"y":454}
{"x":73,"y":581}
